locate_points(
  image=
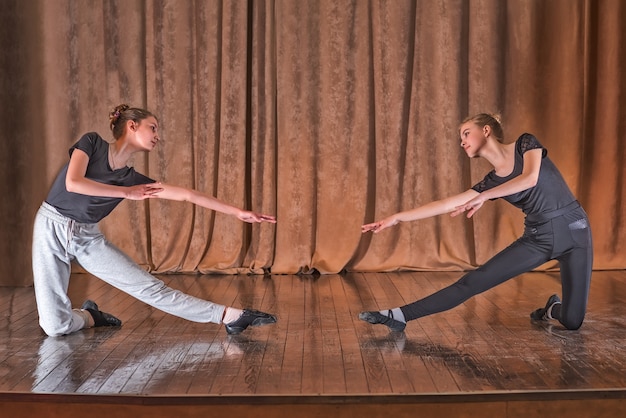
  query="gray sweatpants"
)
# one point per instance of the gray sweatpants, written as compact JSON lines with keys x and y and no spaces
{"x":57,"y":240}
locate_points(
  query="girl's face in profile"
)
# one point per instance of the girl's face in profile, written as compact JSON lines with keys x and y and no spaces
{"x":147,"y":133}
{"x":472,"y":139}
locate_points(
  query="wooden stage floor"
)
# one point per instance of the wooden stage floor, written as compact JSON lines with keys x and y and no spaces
{"x":483,"y":358}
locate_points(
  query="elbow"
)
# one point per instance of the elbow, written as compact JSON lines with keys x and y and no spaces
{"x":74,"y":185}
{"x":71,"y":185}
{"x":532,"y":182}
{"x":180,"y":195}
{"x":529,"y":181}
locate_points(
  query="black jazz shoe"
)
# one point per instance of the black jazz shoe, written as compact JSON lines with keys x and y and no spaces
{"x":100,"y":319}
{"x":376,"y":317}
{"x":543,"y":314}
{"x":249,"y":318}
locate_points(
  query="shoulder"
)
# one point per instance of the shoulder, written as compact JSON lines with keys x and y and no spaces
{"x":89,"y":142}
{"x":92,"y":137}
{"x":527,"y":142}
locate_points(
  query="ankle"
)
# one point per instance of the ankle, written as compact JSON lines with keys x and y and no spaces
{"x":554,"y":311}
{"x":86,"y":316}
{"x":231,"y":315}
{"x":396,"y":314}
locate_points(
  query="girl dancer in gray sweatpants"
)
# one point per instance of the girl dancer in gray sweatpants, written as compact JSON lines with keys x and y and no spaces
{"x":87,"y":189}
{"x":556,"y":228}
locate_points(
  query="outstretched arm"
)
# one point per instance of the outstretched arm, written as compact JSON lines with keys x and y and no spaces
{"x":438,"y":207}
{"x":527,"y":179}
{"x":76,"y":182}
{"x":170,"y":192}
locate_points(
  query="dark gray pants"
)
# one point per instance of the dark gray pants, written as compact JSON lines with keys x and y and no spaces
{"x":566,"y":238}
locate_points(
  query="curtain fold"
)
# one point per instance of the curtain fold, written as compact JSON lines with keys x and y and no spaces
{"x":328,"y":114}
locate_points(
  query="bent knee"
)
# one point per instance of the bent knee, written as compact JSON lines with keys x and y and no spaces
{"x":53,"y":334}
{"x":572,"y":324}
{"x":56,"y":329}
{"x":52,"y":331}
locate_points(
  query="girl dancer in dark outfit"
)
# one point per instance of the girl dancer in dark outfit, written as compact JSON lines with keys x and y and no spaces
{"x":89,"y":187}
{"x":556,"y":228}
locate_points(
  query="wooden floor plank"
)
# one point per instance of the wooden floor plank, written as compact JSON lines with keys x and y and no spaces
{"x":223,"y":372}
{"x":373,"y":365}
{"x":312,"y":360}
{"x":218,"y":289}
{"x":291,"y":322}
{"x":266,"y":371}
{"x":430,"y":343}
{"x":333,"y":369}
{"x":346,"y":305}
{"x":174,"y":376}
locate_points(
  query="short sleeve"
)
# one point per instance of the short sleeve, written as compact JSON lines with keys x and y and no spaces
{"x":489,"y":182}
{"x":527,"y":142}
{"x":482,"y":185}
{"x":86,"y":143}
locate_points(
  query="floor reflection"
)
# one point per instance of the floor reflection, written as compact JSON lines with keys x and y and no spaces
{"x":460,"y":363}
{"x":68,"y":364}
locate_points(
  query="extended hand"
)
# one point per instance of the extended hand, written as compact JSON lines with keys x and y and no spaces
{"x":470,"y":207}
{"x":252,"y":217}
{"x":376,"y":227}
{"x":143,"y":191}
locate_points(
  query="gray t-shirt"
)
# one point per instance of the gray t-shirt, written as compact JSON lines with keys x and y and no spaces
{"x":85,"y":208}
{"x":550,"y":193}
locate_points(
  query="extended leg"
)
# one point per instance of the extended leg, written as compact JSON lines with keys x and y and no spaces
{"x":105,"y":261}
{"x":514,"y":260}
{"x":519,"y":257}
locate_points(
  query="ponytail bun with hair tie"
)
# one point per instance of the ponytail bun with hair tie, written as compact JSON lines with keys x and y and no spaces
{"x":116,"y":112}
{"x":496,"y":117}
{"x":123,"y":113}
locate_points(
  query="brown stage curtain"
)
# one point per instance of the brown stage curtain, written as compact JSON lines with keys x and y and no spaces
{"x":327,"y":113}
